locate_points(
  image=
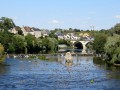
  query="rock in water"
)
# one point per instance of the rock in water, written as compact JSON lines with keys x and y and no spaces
{"x":68,"y":57}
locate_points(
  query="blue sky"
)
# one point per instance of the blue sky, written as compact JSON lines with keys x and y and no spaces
{"x":50,"y":14}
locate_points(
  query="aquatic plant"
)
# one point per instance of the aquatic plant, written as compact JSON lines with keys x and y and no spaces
{"x":42,"y":57}
{"x":2,"y":58}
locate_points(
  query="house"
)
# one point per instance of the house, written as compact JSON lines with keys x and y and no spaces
{"x":37,"y":32}
{"x":60,"y":37}
{"x":13,"y":30}
{"x":45,"y":32}
{"x":71,"y":36}
{"x":27,"y":30}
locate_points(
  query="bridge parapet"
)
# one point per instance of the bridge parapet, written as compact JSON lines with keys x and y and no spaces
{"x":84,"y":43}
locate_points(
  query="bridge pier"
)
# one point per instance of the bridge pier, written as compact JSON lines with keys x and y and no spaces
{"x":84,"y":48}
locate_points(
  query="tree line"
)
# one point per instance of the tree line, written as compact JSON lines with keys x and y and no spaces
{"x":107,"y":42}
{"x":18,"y":43}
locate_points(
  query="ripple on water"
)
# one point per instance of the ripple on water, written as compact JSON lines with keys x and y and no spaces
{"x":43,"y":75}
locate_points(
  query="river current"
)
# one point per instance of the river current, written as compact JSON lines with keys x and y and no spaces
{"x":82,"y":74}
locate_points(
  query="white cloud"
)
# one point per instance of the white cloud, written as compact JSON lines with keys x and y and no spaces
{"x":117,"y":16}
{"x":54,"y":22}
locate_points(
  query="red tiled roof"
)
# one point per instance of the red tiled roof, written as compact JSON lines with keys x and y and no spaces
{"x":28,"y":29}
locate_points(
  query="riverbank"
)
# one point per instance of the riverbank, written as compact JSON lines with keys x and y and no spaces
{"x":55,"y":54}
{"x":2,"y":58}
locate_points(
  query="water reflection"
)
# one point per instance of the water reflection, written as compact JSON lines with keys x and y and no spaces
{"x":58,"y":74}
{"x":4,"y":69}
{"x":113,"y":71}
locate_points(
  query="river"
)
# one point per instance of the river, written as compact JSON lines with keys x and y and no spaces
{"x":82,"y":74}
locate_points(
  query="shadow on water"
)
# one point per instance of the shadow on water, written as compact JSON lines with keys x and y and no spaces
{"x":114,"y":71}
{"x":3,"y":69}
{"x":3,"y":66}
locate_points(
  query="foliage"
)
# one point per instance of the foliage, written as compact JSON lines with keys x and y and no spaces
{"x":2,"y":59}
{"x":5,"y":38}
{"x":29,"y":44}
{"x":62,"y":41}
{"x":53,"y":35}
{"x":1,"y":49}
{"x":6,"y":23}
{"x":117,"y":28}
{"x":19,"y":43}
{"x":11,"y":48}
{"x":99,"y":42}
{"x":30,"y":40}
{"x":32,"y":57}
{"x":89,"y":45}
{"x":42,"y":57}
{"x":112,"y":49}
{"x":49,"y":44}
{"x":20,"y":32}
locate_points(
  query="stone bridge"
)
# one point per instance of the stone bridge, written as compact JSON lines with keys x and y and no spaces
{"x":81,"y":44}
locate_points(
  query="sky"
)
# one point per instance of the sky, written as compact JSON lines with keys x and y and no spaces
{"x":51,"y":14}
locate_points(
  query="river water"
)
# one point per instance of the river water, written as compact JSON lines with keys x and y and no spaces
{"x":82,"y":74}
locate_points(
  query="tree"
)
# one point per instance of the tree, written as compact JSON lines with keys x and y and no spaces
{"x":50,"y":44}
{"x":62,"y":41}
{"x":5,"y":39}
{"x":20,"y":32}
{"x":6,"y":23}
{"x":11,"y":48}
{"x":38,"y":45}
{"x":112,"y":49}
{"x":99,"y":42}
{"x":89,"y":46}
{"x":52,"y":34}
{"x":30,"y":40}
{"x":1,"y":49}
{"x":117,"y":28}
{"x":19,"y":43}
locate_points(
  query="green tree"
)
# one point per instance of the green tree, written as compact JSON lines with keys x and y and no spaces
{"x":117,"y":28}
{"x":62,"y":41}
{"x":20,"y":32}
{"x":6,"y":23}
{"x":50,"y":44}
{"x":30,"y":40}
{"x":112,"y":49}
{"x":5,"y":39}
{"x":52,"y":34}
{"x":11,"y":48}
{"x":99,"y":42}
{"x":38,"y":45}
{"x":19,"y":43}
{"x":1,"y":49}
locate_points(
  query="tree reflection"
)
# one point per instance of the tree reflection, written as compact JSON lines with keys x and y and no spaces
{"x":3,"y":69}
{"x":112,"y":72}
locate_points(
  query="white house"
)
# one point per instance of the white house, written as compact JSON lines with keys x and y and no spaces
{"x":27,"y":30}
{"x":37,"y":32}
{"x":45,"y":32}
{"x":13,"y":30}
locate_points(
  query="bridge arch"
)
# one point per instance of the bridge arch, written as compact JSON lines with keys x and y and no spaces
{"x":81,"y":45}
{"x":78,"y":46}
{"x":89,"y":44}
